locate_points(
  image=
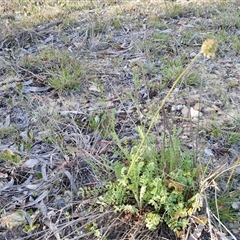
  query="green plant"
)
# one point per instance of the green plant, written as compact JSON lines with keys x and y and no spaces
{"x":65,"y":78}
{"x":222,"y":205}
{"x":92,"y":227}
{"x":10,"y":156}
{"x":66,"y":74}
{"x":226,"y":20}
{"x":156,"y":21}
{"x":175,"y":10}
{"x":160,"y":185}
{"x":31,"y":216}
{"x":228,"y":41}
{"x":163,"y":38}
{"x":102,"y":122}
{"x":97,"y":27}
{"x":160,"y":43}
{"x":27,"y":141}
{"x":10,"y":131}
{"x":232,"y":137}
{"x":116,"y":23}
{"x":62,"y":71}
{"x":236,"y":44}
{"x":172,"y":69}
{"x":192,"y":79}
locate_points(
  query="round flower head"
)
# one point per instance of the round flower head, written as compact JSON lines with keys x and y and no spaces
{"x":209,"y":48}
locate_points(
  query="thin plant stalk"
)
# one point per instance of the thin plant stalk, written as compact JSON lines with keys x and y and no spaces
{"x":208,"y":50}
{"x":156,"y":115}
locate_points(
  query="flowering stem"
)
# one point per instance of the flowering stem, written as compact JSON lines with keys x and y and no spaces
{"x":156,"y":115}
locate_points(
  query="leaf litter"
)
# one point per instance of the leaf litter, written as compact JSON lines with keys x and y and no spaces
{"x":124,"y":61}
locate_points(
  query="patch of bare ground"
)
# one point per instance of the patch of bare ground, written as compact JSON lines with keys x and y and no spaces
{"x":72,"y":73}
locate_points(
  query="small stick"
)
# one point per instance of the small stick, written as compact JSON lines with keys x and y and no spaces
{"x":48,"y":25}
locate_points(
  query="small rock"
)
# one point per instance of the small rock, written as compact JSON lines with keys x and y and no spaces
{"x":84,"y":101}
{"x":30,"y":163}
{"x":169,"y":30}
{"x":197,"y":107}
{"x":188,"y":26}
{"x":198,"y":21}
{"x":176,"y":90}
{"x":180,"y":101}
{"x":110,"y":104}
{"x":94,"y":88}
{"x":179,"y":107}
{"x":143,"y":93}
{"x":185,"y":112}
{"x":208,"y":152}
{"x":209,"y":110}
{"x":236,"y":205}
{"x":173,"y":109}
{"x":192,"y":54}
{"x":235,"y":231}
{"x":237,"y":170}
{"x":218,"y":103}
{"x":195,"y":113}
{"x":170,"y":100}
{"x":194,"y":97}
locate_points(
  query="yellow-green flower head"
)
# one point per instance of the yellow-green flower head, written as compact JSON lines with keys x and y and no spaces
{"x":209,"y":48}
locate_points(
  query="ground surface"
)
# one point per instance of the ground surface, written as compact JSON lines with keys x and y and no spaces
{"x":103,"y":64}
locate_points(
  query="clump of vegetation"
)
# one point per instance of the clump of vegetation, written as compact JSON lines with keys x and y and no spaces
{"x":64,"y":71}
{"x":163,"y":186}
{"x":117,"y":148}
